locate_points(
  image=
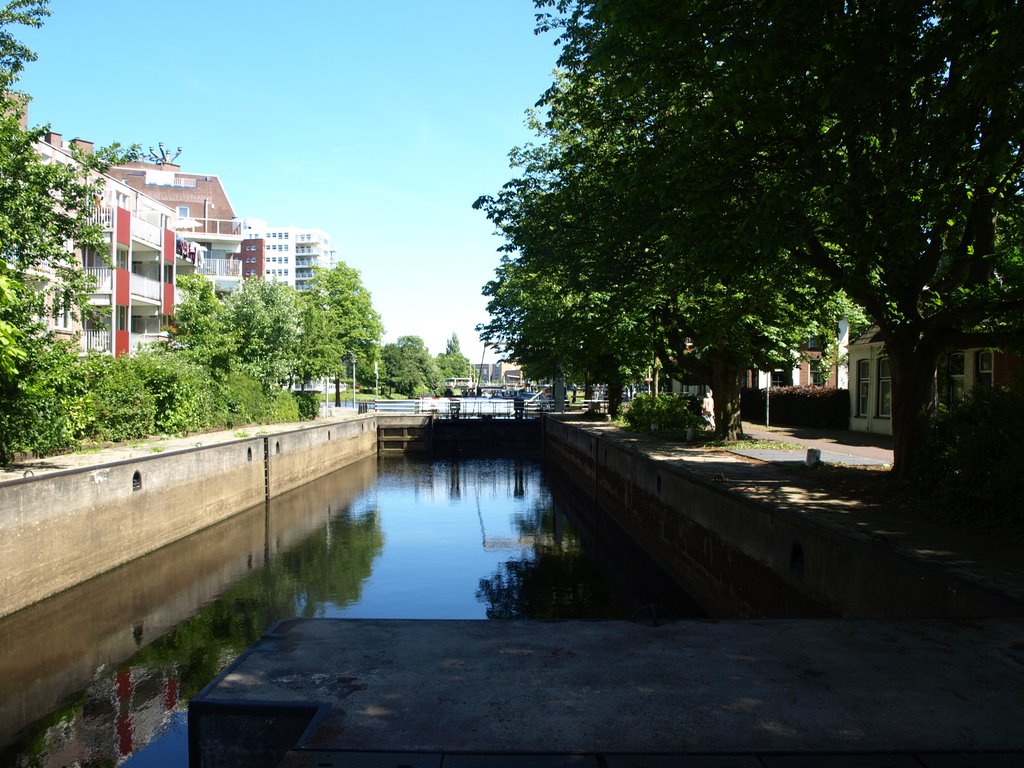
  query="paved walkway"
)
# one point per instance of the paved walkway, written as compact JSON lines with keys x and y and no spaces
{"x":836,"y":446}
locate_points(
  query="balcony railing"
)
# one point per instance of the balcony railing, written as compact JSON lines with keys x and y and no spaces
{"x":145,"y":288}
{"x":141,"y":339}
{"x":104,"y":278}
{"x":97,"y":341}
{"x":146,"y":232}
{"x":103,"y":215}
{"x":195,"y":227}
{"x":221,"y":268}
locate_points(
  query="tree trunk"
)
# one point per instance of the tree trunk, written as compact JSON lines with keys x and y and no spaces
{"x":725,"y":387}
{"x":913,"y":377}
{"x":337,"y":390}
{"x":614,"y":399}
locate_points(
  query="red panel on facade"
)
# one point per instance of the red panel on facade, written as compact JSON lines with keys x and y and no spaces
{"x":123,"y":226}
{"x":122,"y":343}
{"x":122,"y":286}
{"x":168,"y":299}
{"x":168,"y":246}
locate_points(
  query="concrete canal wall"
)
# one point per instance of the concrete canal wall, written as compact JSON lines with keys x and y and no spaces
{"x":66,"y":527}
{"x":740,"y":556}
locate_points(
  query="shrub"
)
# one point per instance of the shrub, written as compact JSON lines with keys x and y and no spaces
{"x":241,"y":400}
{"x":283,"y":407}
{"x":182,"y":390}
{"x":972,"y":465}
{"x":308,"y":404}
{"x":122,"y":406}
{"x":821,"y":407}
{"x":665,"y":413}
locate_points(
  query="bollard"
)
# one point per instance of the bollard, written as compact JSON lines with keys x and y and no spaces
{"x":813,"y":457}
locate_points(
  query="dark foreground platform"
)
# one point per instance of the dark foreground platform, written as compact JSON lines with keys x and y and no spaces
{"x":482,"y":694}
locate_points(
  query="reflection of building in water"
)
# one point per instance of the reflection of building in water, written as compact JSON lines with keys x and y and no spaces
{"x":120,"y":714}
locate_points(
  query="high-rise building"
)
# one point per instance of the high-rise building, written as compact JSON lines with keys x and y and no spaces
{"x":290,"y":253}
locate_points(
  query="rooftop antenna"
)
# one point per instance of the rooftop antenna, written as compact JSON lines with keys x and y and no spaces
{"x":160,"y":157}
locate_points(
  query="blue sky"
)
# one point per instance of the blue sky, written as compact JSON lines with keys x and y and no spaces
{"x":379,"y":122}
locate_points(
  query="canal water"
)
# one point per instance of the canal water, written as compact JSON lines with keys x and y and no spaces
{"x":102,"y":674}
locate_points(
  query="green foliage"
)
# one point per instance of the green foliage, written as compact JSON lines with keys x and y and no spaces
{"x":308,"y":404}
{"x":122,"y":407}
{"x":263,"y":319}
{"x":44,"y":410}
{"x":804,"y":406}
{"x":199,"y":328}
{"x":408,"y":367}
{"x":241,"y":400}
{"x":182,"y":390}
{"x":664,"y":413}
{"x":283,"y":407}
{"x":452,"y":364}
{"x":973,"y":458}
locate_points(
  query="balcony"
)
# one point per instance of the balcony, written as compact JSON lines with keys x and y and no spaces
{"x":139,"y":340}
{"x":97,"y":340}
{"x":221,"y":268}
{"x":144,"y":288}
{"x":103,"y":216}
{"x":217,"y":227}
{"x":104,"y":278}
{"x":147,"y":233}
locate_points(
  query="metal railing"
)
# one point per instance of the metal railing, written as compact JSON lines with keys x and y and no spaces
{"x":103,"y":215}
{"x":198,"y":226}
{"x":466,"y":407}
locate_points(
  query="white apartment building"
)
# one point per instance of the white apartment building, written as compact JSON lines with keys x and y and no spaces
{"x":289,"y":253}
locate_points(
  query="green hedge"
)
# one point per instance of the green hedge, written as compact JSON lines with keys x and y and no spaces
{"x":821,"y":407}
{"x":972,"y":466}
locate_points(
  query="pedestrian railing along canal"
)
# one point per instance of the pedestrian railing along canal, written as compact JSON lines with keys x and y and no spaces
{"x":465,"y":407}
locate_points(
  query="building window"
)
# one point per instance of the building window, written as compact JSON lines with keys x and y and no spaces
{"x":863,"y":386}
{"x":817,"y":373}
{"x":814,"y":343}
{"x":951,"y":379}
{"x":884,"y":388}
{"x":983,"y":369}
{"x":778,"y":379}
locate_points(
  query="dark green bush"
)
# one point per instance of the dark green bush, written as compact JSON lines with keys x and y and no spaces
{"x":821,"y":407}
{"x":308,"y":404}
{"x":972,"y":464}
{"x":183,"y":391}
{"x":665,"y":413}
{"x":242,"y":400}
{"x":123,"y":408}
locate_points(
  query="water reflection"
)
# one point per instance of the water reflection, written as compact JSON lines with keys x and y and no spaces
{"x":109,"y":667}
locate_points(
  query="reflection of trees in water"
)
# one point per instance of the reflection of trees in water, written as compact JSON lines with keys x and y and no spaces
{"x":321,"y":569}
{"x":556,"y":580}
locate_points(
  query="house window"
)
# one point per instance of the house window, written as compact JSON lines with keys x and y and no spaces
{"x":863,"y":386}
{"x":183,"y":211}
{"x":814,"y":343}
{"x":778,"y":379}
{"x":951,"y":379}
{"x":884,"y":388}
{"x":983,"y":369}
{"x":817,"y":373}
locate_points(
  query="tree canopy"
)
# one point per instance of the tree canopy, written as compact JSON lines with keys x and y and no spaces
{"x":721,"y":171}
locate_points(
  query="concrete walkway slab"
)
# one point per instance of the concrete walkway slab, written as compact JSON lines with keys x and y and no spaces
{"x":799,"y":458}
{"x":732,"y":687}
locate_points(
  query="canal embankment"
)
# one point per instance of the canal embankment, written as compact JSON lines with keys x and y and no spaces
{"x":66,"y":520}
{"x":750,"y":539}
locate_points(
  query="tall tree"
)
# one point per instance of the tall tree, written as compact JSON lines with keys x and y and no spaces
{"x":875,"y":145}
{"x":409,"y":368}
{"x":263,"y":320}
{"x":451,"y":363}
{"x":200,"y":327}
{"x":354,"y":327}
